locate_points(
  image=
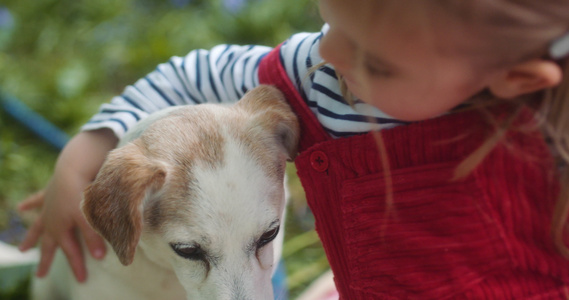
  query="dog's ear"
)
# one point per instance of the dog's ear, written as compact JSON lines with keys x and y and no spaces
{"x":271,"y":111}
{"x":112,"y":204}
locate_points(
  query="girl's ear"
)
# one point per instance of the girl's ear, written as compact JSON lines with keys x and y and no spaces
{"x":525,"y":78}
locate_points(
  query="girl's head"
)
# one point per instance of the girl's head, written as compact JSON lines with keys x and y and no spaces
{"x":418,"y":59}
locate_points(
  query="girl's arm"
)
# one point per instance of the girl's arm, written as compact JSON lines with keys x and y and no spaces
{"x":60,"y":215}
{"x":222,"y":74}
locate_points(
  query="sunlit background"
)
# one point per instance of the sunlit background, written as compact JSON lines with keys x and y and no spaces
{"x":61,"y":59}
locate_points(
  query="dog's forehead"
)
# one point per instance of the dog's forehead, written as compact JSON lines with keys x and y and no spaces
{"x":238,"y":190}
{"x":197,"y":134}
{"x":217,"y":170}
{"x":187,"y":135}
{"x":234,"y":201}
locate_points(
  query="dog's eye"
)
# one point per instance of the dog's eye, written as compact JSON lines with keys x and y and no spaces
{"x":191,"y":252}
{"x":268,"y":237}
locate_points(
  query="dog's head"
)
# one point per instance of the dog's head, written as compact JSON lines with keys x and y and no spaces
{"x":201,"y":191}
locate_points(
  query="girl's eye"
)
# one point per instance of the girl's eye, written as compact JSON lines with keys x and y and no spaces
{"x":377,"y":71}
{"x":191,"y":252}
{"x":268,"y":237}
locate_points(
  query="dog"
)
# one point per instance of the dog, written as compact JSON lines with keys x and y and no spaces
{"x":192,"y":202}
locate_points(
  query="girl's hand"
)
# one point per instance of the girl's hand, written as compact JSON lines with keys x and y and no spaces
{"x":57,"y":226}
{"x":61,"y":223}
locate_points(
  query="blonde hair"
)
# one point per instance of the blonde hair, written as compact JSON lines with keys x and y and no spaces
{"x":510,"y":32}
{"x":555,"y":115}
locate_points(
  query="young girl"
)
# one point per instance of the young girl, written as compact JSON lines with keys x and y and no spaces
{"x":458,"y":194}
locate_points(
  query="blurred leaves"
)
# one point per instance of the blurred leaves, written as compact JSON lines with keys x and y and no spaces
{"x":64,"y":58}
{"x":87,"y":51}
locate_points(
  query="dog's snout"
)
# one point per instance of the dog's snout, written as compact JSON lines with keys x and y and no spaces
{"x":240,"y":294}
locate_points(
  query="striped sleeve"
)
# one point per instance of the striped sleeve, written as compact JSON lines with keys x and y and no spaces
{"x":222,"y":74}
{"x":226,"y":72}
{"x":321,"y":90}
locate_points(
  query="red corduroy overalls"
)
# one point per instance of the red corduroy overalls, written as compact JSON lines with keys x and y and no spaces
{"x":484,"y":237}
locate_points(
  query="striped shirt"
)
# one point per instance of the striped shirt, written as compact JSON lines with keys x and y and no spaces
{"x":226,"y":72}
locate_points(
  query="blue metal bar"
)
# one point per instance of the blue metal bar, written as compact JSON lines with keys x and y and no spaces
{"x":33,"y":121}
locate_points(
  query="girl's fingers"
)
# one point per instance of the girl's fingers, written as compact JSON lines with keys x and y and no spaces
{"x":32,"y":236}
{"x":33,"y":201}
{"x":95,"y":243}
{"x":72,"y":249}
{"x":48,"y":247}
{"x":69,"y":244}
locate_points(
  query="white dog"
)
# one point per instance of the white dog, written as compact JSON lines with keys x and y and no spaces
{"x":191,"y":202}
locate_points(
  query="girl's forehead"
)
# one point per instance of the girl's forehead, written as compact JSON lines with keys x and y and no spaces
{"x":493,"y":33}
{"x":408,"y":17}
{"x":373,"y":23}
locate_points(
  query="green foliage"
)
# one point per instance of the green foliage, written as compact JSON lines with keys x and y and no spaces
{"x":66,"y":57}
{"x":63,"y":58}
{"x":18,"y":292}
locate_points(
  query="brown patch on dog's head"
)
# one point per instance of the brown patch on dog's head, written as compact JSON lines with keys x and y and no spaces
{"x":173,"y":205}
{"x":185,"y":136}
{"x":194,"y":135}
{"x":272,"y":122}
{"x":112,"y":204}
{"x":185,"y":139}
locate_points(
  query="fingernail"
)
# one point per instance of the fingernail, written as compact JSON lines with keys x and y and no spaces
{"x":98,"y":253}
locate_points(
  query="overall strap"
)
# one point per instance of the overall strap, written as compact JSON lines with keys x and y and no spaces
{"x":271,"y":71}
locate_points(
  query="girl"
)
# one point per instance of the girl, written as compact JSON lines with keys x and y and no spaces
{"x":458,"y":205}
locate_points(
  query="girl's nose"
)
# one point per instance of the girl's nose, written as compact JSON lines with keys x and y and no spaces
{"x":337,"y":49}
